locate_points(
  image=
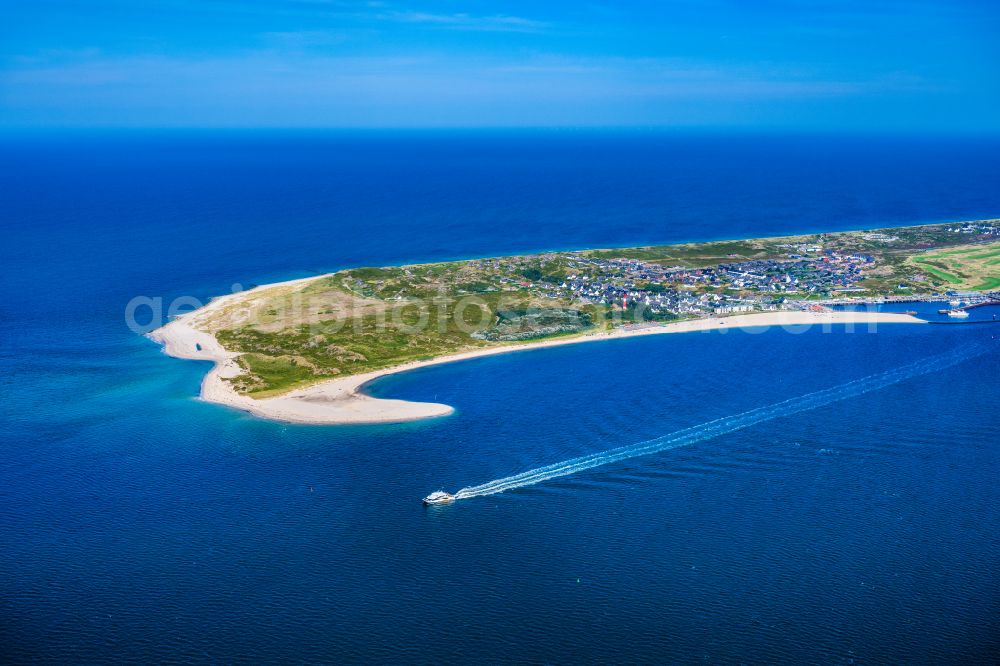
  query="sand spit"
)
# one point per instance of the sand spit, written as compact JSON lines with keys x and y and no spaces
{"x":343,"y":400}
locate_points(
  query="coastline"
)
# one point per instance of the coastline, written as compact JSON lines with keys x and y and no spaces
{"x":343,"y":401}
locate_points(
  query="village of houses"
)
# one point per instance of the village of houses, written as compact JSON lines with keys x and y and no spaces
{"x":806,"y":276}
{"x":667,"y":292}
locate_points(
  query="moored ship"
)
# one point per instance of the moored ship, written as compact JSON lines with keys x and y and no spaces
{"x":958,"y":314}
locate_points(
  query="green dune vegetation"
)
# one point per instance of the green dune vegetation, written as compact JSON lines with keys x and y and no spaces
{"x":972,"y":267}
{"x":362,"y":319}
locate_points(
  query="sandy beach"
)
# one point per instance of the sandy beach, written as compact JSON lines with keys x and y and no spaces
{"x":343,"y":400}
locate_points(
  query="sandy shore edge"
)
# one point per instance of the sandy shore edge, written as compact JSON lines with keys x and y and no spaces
{"x":343,"y":400}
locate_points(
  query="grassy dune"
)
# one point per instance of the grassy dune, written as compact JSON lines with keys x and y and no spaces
{"x":973,"y":267}
{"x":364,"y":319}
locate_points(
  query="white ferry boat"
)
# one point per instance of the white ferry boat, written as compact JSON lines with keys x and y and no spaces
{"x":439,"y":497}
{"x":958,"y":314}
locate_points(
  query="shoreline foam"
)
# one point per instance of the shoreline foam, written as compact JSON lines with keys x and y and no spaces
{"x":343,"y":400}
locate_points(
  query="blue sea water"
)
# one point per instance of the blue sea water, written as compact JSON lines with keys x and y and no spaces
{"x":932,"y":311}
{"x":139,"y":524}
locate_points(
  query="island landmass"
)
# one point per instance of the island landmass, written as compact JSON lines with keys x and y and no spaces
{"x":303,"y":350}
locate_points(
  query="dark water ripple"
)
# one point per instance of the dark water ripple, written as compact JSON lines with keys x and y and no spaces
{"x":139,"y":525}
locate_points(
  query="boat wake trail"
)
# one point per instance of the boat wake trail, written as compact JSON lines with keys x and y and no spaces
{"x":728,"y":424}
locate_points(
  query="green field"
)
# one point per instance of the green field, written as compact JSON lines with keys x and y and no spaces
{"x":947,"y":277}
{"x":989,"y":284}
{"x":971,"y":267}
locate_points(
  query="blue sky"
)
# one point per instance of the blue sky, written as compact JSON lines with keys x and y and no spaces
{"x":877,"y":65}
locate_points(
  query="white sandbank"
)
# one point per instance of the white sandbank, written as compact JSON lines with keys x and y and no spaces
{"x":343,"y":401}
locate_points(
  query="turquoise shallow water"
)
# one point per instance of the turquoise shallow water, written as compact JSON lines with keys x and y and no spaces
{"x":137,"y":523}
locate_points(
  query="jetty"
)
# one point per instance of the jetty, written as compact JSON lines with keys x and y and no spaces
{"x":969,"y":306}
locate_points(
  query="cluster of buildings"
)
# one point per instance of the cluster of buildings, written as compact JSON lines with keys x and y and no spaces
{"x":807,"y":273}
{"x":823,"y":274}
{"x":984,"y":227}
{"x":727,"y":288}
